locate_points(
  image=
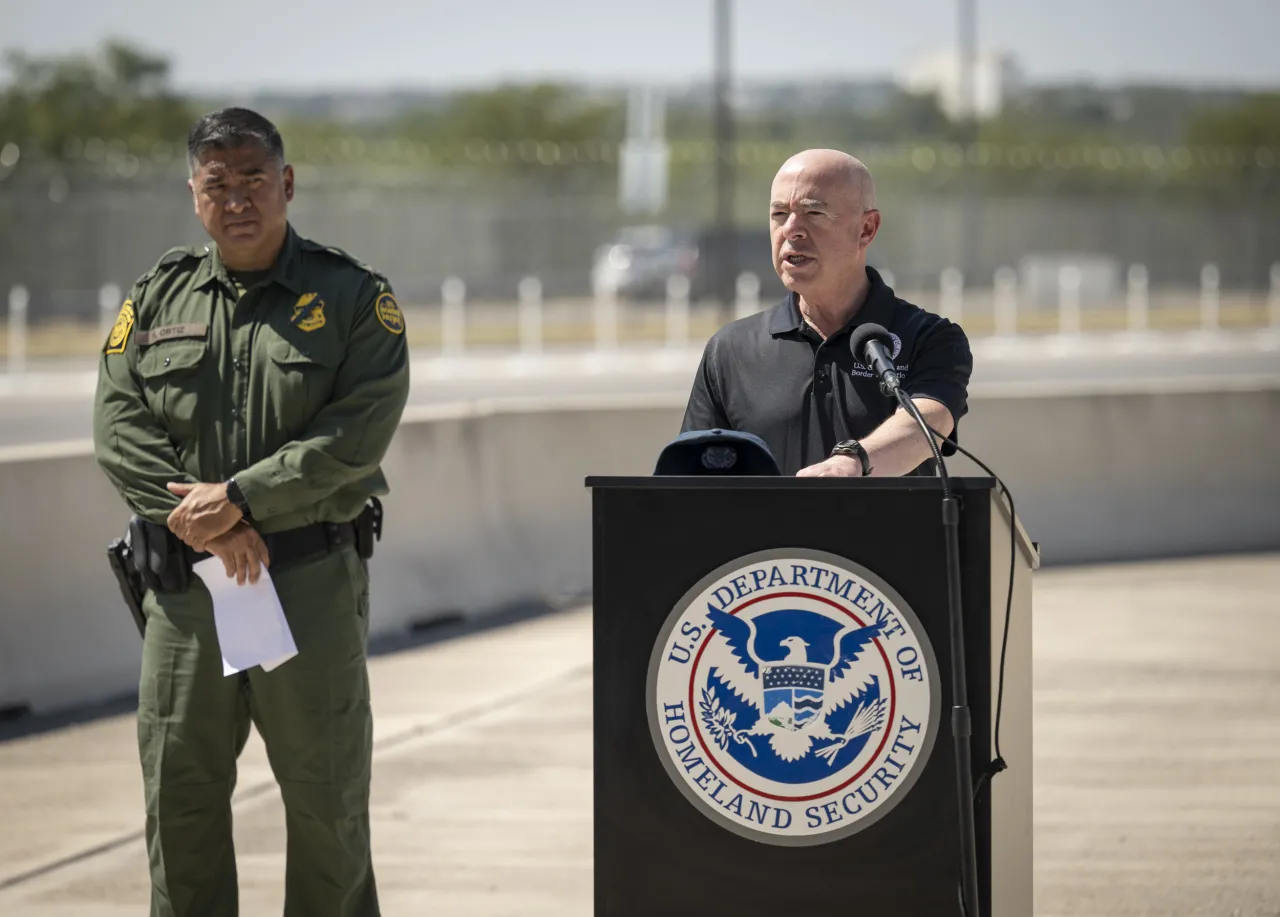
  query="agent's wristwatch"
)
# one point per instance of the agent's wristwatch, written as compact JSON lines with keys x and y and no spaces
{"x":236,"y":497}
{"x":853,"y":447}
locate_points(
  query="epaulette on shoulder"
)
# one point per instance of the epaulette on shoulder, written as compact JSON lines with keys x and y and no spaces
{"x":342,"y":255}
{"x":175,"y":256}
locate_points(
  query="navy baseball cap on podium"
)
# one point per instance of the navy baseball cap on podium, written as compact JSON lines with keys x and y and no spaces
{"x":716,"y":452}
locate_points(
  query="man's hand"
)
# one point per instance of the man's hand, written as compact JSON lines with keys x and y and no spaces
{"x":203,"y":515}
{"x":243,"y":553}
{"x":838,"y":466}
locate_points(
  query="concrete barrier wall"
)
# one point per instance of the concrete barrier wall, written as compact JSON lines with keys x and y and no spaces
{"x":1106,"y":476}
{"x":489,"y":508}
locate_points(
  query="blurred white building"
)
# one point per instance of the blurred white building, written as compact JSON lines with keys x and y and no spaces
{"x":996,"y":77}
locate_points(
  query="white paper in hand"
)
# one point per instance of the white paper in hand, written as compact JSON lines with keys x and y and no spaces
{"x":251,"y":625}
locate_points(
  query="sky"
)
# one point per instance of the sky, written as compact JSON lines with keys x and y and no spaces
{"x":242,"y":45}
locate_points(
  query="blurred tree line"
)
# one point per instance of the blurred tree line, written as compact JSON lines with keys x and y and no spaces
{"x":52,"y":106}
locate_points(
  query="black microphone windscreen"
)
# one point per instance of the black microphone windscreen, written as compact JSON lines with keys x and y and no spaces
{"x":868,"y":332}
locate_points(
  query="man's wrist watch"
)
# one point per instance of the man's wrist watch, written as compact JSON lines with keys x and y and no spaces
{"x":854,"y":448}
{"x":235,"y":496}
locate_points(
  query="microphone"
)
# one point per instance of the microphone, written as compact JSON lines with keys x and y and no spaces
{"x":873,"y":345}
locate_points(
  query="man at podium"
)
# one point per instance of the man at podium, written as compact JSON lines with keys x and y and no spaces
{"x":787,"y":374}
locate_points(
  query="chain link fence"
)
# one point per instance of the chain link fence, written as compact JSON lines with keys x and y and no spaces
{"x":493,"y":214}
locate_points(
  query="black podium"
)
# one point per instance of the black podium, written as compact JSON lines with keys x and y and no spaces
{"x":772,"y":702}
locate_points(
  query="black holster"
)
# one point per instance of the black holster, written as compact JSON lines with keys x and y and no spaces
{"x":120,"y":558}
{"x":368,"y":528}
{"x":162,"y":561}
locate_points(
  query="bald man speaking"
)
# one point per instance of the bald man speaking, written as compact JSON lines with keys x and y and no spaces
{"x":787,"y":374}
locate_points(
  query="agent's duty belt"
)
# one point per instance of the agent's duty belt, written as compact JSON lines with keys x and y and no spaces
{"x":149,"y":556}
{"x":293,"y":545}
{"x":162,"y":562}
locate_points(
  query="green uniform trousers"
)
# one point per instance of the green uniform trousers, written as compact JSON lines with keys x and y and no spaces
{"x":313,"y":715}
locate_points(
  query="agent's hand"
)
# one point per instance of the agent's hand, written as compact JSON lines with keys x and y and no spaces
{"x":243,"y":553}
{"x":838,"y":466}
{"x":204,"y":513}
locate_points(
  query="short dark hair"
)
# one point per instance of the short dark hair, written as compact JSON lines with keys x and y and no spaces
{"x":230,"y":129}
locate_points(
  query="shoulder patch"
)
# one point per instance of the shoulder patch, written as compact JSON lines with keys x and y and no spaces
{"x":119,"y":336}
{"x":389,"y":314}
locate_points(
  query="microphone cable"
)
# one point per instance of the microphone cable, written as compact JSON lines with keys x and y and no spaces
{"x":998,"y":763}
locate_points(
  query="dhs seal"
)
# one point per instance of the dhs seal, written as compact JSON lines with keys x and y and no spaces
{"x":793,"y":697}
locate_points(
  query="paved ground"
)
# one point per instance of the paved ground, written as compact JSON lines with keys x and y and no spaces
{"x":1157,"y":706}
{"x":52,"y":402}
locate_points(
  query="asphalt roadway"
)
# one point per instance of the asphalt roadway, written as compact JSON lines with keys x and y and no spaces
{"x":1157,"y":790}
{"x":53,"y":402}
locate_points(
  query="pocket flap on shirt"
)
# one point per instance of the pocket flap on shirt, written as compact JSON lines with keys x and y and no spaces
{"x":318,"y":353}
{"x":159,"y":359}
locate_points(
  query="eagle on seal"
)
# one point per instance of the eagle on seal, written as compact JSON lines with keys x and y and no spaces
{"x":794,"y":695}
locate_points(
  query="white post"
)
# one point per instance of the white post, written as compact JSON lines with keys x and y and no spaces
{"x":529,"y":293}
{"x":951,"y":294}
{"x":453,"y":316}
{"x":1005,"y":305}
{"x":1069,"y":299}
{"x":746,"y":295}
{"x":606,"y":318}
{"x":677,"y":311}
{"x":108,"y":306}
{"x":1273,"y":300}
{"x":18,"y":301}
{"x":1209,"y":279}
{"x":1138,"y":301}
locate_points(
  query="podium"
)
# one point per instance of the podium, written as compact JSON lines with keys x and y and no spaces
{"x":772,"y":713}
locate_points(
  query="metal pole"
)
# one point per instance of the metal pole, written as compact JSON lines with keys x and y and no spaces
{"x":723,"y":264}
{"x":1273,"y":300}
{"x":18,"y":301}
{"x":1069,"y":278}
{"x":677,"y":311}
{"x":967,"y":59}
{"x":746,"y":295}
{"x":1209,"y":280}
{"x":453,"y":318}
{"x":951,"y":294}
{"x":1138,"y":301}
{"x":108,"y":306}
{"x":1005,"y":304}
{"x":605,"y":319}
{"x":529,"y":293}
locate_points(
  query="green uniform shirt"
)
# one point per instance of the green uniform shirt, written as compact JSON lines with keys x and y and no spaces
{"x":294,"y":386}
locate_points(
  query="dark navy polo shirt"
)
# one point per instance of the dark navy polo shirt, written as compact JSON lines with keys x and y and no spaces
{"x":772,"y":375}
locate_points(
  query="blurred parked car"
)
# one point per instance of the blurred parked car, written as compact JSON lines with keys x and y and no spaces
{"x":637,"y":263}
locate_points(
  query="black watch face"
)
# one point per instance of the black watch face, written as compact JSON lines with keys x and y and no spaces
{"x":236,"y":496}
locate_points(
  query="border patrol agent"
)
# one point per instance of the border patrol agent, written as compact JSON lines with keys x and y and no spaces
{"x":787,"y":374}
{"x":247,"y":394}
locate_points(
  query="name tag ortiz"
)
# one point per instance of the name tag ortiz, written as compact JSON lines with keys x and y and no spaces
{"x":171,"y":333}
{"x":793,"y":697}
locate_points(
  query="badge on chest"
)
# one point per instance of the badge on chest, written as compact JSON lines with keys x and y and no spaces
{"x":308,"y":312}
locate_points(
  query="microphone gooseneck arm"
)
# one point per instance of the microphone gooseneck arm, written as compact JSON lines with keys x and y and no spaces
{"x":868,"y":343}
{"x":961,"y":721}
